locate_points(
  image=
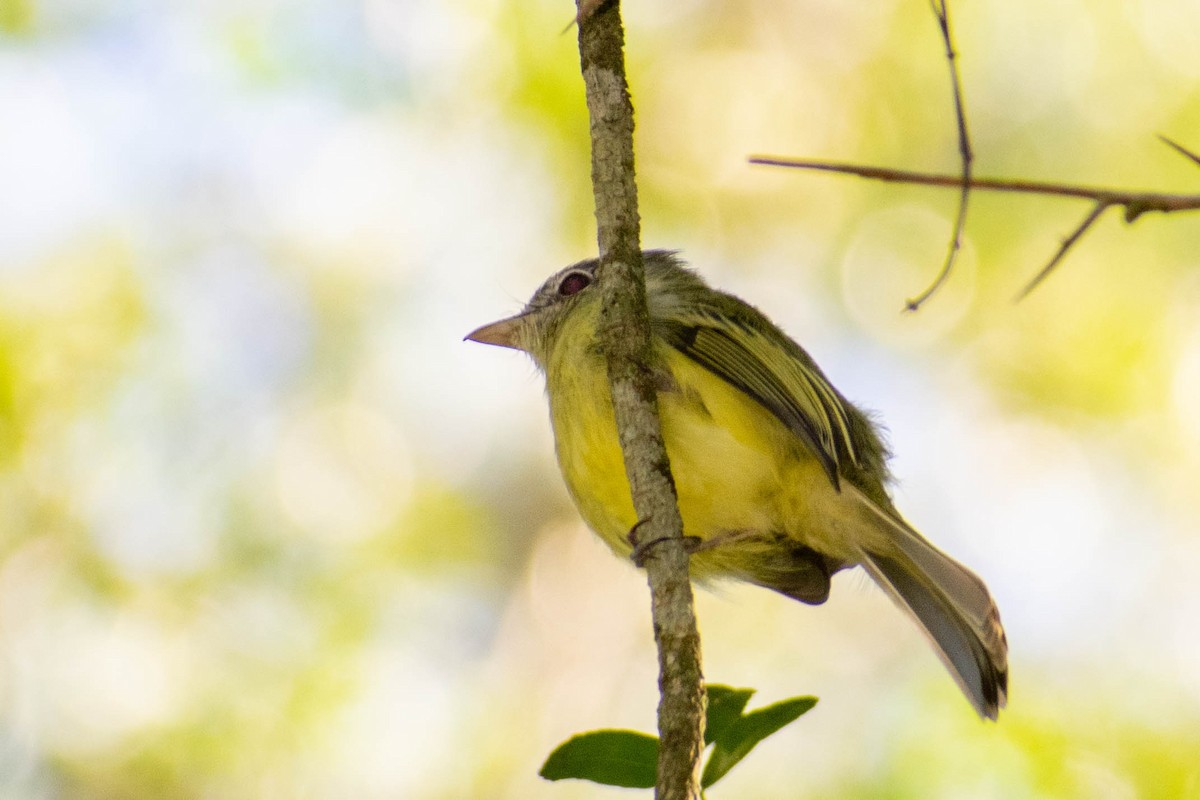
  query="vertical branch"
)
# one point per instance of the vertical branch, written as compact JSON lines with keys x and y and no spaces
{"x":967,"y":156}
{"x":625,"y":334}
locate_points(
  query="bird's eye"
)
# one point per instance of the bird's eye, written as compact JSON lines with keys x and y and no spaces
{"x":573,"y":283}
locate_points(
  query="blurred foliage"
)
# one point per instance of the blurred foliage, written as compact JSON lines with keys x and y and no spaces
{"x":1042,"y":754}
{"x":16,"y":16}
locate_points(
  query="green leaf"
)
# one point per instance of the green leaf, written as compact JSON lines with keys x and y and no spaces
{"x":741,"y":736}
{"x":611,"y":757}
{"x":725,"y":705}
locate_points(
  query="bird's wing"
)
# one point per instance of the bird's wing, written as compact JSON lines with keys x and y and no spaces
{"x":765,"y":364}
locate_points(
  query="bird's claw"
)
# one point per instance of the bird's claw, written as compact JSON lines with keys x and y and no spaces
{"x":641,"y":550}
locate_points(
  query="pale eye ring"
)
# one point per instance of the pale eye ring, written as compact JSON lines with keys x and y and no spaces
{"x":573,"y":283}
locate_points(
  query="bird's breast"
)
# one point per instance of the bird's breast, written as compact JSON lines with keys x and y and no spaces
{"x":737,"y":469}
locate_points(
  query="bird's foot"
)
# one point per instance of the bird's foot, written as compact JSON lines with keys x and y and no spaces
{"x":641,"y":550}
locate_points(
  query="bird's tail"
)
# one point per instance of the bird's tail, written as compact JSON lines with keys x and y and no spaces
{"x":954,"y":608}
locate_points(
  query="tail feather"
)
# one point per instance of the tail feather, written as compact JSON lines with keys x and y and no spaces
{"x":955,"y":610}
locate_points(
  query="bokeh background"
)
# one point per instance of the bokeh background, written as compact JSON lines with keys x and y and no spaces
{"x":270,"y":529}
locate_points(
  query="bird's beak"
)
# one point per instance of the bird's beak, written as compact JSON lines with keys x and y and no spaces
{"x":505,"y":333}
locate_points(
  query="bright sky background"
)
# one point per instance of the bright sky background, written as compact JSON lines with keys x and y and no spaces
{"x":270,"y":529}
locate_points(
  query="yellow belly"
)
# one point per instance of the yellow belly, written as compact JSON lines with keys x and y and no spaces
{"x":737,"y":469}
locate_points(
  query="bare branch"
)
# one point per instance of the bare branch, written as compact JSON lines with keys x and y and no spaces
{"x":967,"y":156}
{"x":1186,"y":153}
{"x":1067,"y":244}
{"x":1135,"y":202}
{"x":625,"y":337}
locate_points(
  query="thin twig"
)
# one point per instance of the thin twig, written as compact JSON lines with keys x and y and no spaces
{"x":1141,"y":202}
{"x":966,"y":154}
{"x":1134,"y":203}
{"x":1067,"y":244}
{"x":1186,"y":153}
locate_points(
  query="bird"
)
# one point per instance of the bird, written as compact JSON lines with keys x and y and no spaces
{"x":781,"y":481}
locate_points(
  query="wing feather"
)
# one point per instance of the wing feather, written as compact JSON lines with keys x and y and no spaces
{"x":763,"y":362}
